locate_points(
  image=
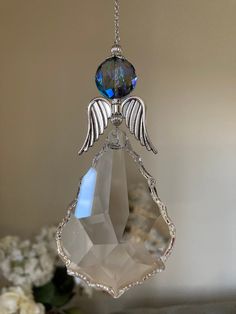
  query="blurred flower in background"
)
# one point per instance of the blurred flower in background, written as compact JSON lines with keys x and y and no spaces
{"x":139,"y":196}
{"x":15,"y":300}
{"x":27,"y":263}
{"x":39,"y":283}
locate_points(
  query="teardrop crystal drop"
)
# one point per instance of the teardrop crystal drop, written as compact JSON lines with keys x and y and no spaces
{"x":103,"y":239}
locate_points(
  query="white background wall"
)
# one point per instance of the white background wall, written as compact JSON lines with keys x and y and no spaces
{"x":185,"y":55}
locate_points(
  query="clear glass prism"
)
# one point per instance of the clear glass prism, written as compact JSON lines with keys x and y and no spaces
{"x":105,"y":239}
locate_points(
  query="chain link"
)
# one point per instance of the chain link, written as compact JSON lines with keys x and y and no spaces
{"x":117,"y":22}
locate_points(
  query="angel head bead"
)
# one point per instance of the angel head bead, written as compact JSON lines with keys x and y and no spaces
{"x":115,"y":77}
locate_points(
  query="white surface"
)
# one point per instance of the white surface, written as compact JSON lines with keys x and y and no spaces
{"x":216,"y":308}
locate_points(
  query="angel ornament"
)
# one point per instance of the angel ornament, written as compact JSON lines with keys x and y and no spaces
{"x":131,"y":109}
{"x":107,"y":240}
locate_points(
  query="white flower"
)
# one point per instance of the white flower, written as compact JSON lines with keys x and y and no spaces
{"x":9,"y":302}
{"x":39,"y":248}
{"x":14,"y":301}
{"x":47,"y":236}
{"x":139,"y":196}
{"x":17,"y":255}
{"x":9,"y":242}
{"x":29,"y":263}
{"x":30,"y":307}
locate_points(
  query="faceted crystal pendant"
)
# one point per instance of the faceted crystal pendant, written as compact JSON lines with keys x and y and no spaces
{"x":105,"y":239}
{"x":115,"y":78}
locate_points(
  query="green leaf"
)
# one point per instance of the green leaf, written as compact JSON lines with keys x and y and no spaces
{"x":44,"y":294}
{"x":61,"y":299}
{"x":57,"y":292}
{"x":63,"y":282}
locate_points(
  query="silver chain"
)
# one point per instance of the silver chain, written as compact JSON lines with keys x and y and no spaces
{"x":117,"y":22}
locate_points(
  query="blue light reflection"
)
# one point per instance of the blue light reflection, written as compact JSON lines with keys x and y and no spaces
{"x":86,"y":194}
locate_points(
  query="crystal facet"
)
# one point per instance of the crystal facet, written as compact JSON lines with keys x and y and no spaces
{"x":115,"y":78}
{"x":106,"y":239}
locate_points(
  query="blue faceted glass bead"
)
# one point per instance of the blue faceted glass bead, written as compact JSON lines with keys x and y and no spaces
{"x":115,"y":78}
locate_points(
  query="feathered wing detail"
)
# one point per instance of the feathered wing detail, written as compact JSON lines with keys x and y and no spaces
{"x":99,"y":112}
{"x":134,"y":113}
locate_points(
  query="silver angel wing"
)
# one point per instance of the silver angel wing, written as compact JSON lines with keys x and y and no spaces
{"x":134,"y":113}
{"x":99,"y":112}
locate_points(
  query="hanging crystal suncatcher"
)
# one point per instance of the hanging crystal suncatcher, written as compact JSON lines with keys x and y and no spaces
{"x":103,"y":240}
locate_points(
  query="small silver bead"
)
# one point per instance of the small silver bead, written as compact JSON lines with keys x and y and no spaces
{"x":116,"y":50}
{"x":116,"y":119}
